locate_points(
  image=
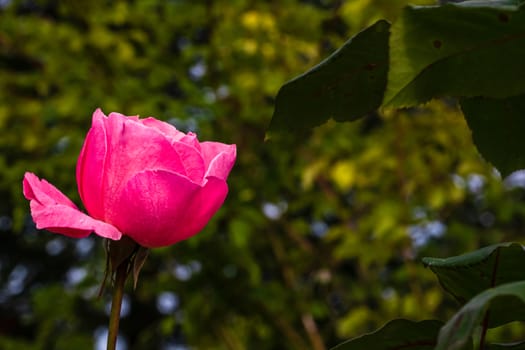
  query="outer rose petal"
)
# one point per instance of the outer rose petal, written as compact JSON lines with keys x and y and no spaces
{"x":91,"y":167}
{"x":53,"y":211}
{"x":219,"y":158}
{"x":160,"y":208}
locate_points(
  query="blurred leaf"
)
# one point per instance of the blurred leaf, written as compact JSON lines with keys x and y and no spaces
{"x":509,"y":297}
{"x":397,"y":334}
{"x":496,"y":126}
{"x":511,"y":346}
{"x":44,"y":302}
{"x":74,"y":341}
{"x":467,"y":275}
{"x":15,"y":344}
{"x":474,"y":48}
{"x":345,"y":86}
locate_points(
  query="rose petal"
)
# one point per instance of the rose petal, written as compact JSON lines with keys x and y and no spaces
{"x":43,"y":191}
{"x":191,"y":139}
{"x":91,"y":166}
{"x":187,"y":145}
{"x":120,"y":115}
{"x":205,"y":204}
{"x":192,"y":161}
{"x":219,"y":159}
{"x":134,"y":147}
{"x":167,"y":129}
{"x":160,"y":208}
{"x":53,"y":211}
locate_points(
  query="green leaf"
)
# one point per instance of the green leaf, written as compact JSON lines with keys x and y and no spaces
{"x":346,"y":86}
{"x":456,"y":332}
{"x":467,"y":275}
{"x":510,"y":346}
{"x":468,"y":49}
{"x":497,"y":126}
{"x":397,"y":334}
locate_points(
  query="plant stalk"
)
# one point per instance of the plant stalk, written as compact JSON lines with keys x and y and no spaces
{"x":116,"y":304}
{"x":484,"y":328}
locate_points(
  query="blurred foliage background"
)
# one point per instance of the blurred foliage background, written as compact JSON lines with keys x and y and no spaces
{"x":316,"y":243}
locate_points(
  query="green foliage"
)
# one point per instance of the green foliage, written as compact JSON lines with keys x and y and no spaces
{"x":499,"y":145}
{"x":457,"y":331}
{"x":434,"y":51}
{"x":471,"y":50}
{"x":514,"y":346}
{"x":397,"y":334}
{"x":469,"y":274}
{"x":461,"y":50}
{"x":323,"y":92}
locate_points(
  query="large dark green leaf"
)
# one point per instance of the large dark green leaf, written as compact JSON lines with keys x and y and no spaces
{"x":497,"y":126}
{"x":397,"y":334}
{"x":467,"y":275}
{"x":345,"y":86}
{"x":474,"y":48}
{"x":457,"y":331}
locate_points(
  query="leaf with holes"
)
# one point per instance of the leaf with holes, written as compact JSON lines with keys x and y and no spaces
{"x":473,"y":48}
{"x":467,"y":275}
{"x":346,"y":86}
{"x":508,"y":297}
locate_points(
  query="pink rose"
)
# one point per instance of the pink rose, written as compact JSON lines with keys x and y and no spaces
{"x":137,"y":177}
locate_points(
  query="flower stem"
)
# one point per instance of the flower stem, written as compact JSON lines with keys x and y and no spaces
{"x":116,"y":303}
